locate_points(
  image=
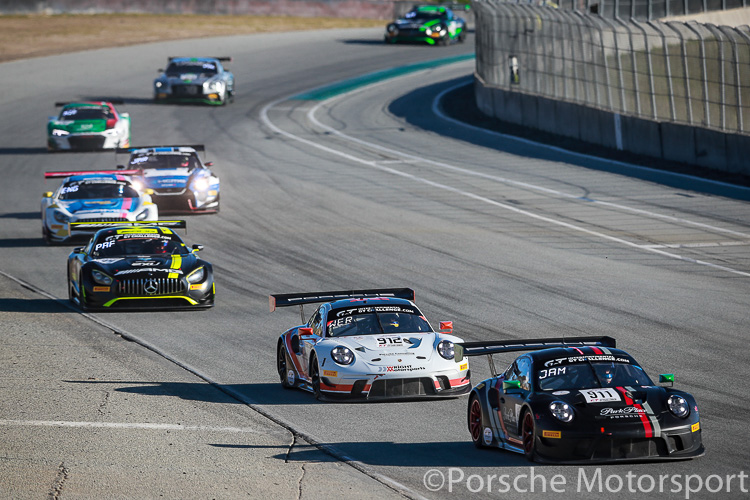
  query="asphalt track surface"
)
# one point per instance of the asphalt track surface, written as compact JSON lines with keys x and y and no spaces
{"x":377,"y":188}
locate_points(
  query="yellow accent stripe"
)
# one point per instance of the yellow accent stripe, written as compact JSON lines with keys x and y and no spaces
{"x":191,"y":301}
{"x":176,"y":264}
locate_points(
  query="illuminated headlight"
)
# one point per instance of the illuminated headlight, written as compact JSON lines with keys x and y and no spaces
{"x":678,"y":406}
{"x":561,"y":411}
{"x":342,"y":355}
{"x":58,"y":132}
{"x":197,"y":276}
{"x":392,"y":29}
{"x":100,"y":277}
{"x":200,"y":184}
{"x":158,"y":85}
{"x":137,"y":185}
{"x":142,"y":215}
{"x":428,"y":31}
{"x":61,"y":217}
{"x":445,"y":349}
{"x":216,"y":86}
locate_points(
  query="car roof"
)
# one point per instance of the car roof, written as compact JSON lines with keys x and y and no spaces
{"x":88,"y":177}
{"x":144,"y":229}
{"x":589,"y":352}
{"x":163,"y":150}
{"x":374,"y":301}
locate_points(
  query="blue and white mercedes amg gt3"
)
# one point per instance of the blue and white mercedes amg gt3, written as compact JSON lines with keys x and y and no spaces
{"x":92,"y":196}
{"x":367,"y":345}
{"x":180,"y":181}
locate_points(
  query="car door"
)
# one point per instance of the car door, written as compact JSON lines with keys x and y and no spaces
{"x":310,"y":336}
{"x":512,"y":398}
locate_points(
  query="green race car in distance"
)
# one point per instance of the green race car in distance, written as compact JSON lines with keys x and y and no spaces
{"x":431,"y":24}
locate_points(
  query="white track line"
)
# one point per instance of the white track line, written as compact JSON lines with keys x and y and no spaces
{"x":378,"y":165}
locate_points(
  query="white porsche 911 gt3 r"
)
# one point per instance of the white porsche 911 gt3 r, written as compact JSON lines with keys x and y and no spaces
{"x":368,"y":344}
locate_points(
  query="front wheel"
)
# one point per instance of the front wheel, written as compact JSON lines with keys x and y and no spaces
{"x":315,"y":377}
{"x":475,"y":422}
{"x":528,"y":436}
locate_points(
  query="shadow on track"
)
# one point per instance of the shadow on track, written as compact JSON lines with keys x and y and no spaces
{"x":32,"y":306}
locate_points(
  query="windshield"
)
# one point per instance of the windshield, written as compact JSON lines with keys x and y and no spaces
{"x":118,"y":245}
{"x":164,"y":161}
{"x":97,"y":190}
{"x":97,"y":113}
{"x":191,"y":68}
{"x":369,"y":323}
{"x":585,"y":375}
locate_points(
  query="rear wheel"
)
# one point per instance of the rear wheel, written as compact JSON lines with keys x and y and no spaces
{"x":475,"y":422}
{"x":528,"y":436}
{"x":284,"y":367}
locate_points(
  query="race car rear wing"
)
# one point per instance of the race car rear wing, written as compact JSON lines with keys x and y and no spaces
{"x":224,"y":59}
{"x":95,"y":226}
{"x":293,"y":299}
{"x":89,"y":101}
{"x":197,"y":147}
{"x":51,"y":175}
{"x":500,"y":346}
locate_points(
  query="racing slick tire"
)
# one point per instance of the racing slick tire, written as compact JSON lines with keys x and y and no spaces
{"x":46,"y":236}
{"x":474,"y":416}
{"x":462,"y":36}
{"x":283,"y":366}
{"x":315,"y":377}
{"x":528,"y":436}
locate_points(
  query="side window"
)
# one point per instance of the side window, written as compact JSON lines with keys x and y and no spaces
{"x":520,"y":370}
{"x":316,"y":323}
{"x":524,"y":372}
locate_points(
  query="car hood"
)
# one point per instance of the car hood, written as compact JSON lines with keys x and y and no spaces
{"x":81,"y":126}
{"x":166,"y":178}
{"x":142,"y":266}
{"x":383,"y":349}
{"x":114,"y":205}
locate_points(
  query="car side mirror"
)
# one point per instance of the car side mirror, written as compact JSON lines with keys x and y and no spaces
{"x":197,"y":248}
{"x":305,"y":330}
{"x":120,"y":167}
{"x":512,"y":387}
{"x":667,"y":378}
{"x":208,"y":164}
{"x":446,"y":326}
{"x":78,"y":250}
{"x":48,"y":194}
{"x":160,"y":70}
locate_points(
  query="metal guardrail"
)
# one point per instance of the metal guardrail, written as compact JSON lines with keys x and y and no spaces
{"x":689,"y":73}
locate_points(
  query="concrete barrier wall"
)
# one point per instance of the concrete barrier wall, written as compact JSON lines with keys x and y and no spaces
{"x":669,"y":141}
{"x":363,"y":9}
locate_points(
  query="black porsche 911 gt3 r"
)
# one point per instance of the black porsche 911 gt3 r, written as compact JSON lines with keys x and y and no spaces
{"x":138,"y":266}
{"x":579,"y":400}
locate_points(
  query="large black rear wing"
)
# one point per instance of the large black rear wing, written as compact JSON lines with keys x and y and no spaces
{"x":501,"y":346}
{"x":300,"y":299}
{"x":95,"y":226}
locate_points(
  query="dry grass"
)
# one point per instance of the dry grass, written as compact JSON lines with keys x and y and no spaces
{"x":41,"y":35}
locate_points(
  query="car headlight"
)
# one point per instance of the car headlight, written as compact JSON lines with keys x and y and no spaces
{"x":158,"y":85}
{"x":342,"y":355}
{"x":561,"y":411}
{"x":392,"y":29}
{"x":58,"y":132}
{"x":100,"y":277}
{"x":217,"y":85}
{"x":61,"y":217}
{"x":200,"y":184}
{"x":197,"y":276}
{"x":142,"y":215}
{"x":136,"y":184}
{"x":445,"y":349}
{"x":678,"y":406}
